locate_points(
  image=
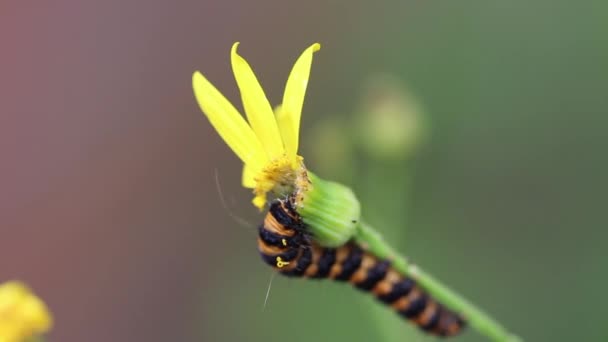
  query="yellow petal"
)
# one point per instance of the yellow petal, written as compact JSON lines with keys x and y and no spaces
{"x":228,"y":122}
{"x":259,"y":201}
{"x":286,"y":127}
{"x":248,"y":178}
{"x":258,"y":110}
{"x":293,"y":98}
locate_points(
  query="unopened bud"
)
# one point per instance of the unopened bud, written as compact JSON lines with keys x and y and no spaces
{"x":390,"y":122}
{"x":330,"y":211}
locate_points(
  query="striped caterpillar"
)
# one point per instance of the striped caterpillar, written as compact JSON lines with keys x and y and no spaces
{"x":284,"y":244}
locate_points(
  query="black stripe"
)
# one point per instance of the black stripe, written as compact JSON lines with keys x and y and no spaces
{"x":274,"y":239}
{"x":270,"y":238}
{"x":415,"y":307}
{"x":303,"y":262}
{"x":288,"y":255}
{"x":459,"y":320}
{"x":399,"y":290}
{"x":374,"y":275}
{"x":433,"y":321}
{"x":325,"y":263}
{"x":351,"y":264}
{"x":277,"y":211}
{"x":289,"y":207}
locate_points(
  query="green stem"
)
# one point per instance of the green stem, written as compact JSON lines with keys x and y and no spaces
{"x":476,"y":318}
{"x":385,"y":211}
{"x":332,"y":213}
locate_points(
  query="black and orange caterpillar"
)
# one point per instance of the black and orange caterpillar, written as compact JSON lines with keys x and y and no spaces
{"x":285,"y":244}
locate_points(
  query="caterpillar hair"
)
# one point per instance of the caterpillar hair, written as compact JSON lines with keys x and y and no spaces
{"x":284,"y":244}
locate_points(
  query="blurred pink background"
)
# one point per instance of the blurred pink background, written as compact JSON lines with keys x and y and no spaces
{"x":108,"y":192}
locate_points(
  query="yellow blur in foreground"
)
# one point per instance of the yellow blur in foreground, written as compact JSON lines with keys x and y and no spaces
{"x":23,"y":316}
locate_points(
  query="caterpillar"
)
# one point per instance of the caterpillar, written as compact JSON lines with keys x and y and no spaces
{"x":284,"y":244}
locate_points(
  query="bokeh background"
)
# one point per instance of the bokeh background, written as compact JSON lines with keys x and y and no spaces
{"x":109,"y":206}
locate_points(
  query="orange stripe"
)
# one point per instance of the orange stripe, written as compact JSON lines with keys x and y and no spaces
{"x":386,"y":285}
{"x":341,"y":255}
{"x":316,"y":256}
{"x":274,"y":226}
{"x":361,"y":274}
{"x":427,"y":314}
{"x":404,"y":302}
{"x":268,"y":249}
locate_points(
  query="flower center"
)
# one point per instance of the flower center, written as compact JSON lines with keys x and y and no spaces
{"x":279,"y":177}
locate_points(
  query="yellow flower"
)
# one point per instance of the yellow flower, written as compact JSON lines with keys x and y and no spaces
{"x":22,"y":315}
{"x":268,"y":144}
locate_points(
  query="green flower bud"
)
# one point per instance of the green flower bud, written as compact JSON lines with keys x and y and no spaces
{"x":330,"y":210}
{"x":390,"y":123}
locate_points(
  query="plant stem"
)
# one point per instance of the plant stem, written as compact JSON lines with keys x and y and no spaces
{"x":385,"y":211}
{"x":476,"y":318}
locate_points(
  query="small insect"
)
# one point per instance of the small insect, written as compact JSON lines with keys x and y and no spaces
{"x":284,"y":244}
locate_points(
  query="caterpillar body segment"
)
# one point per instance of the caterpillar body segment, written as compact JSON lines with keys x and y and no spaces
{"x":284,"y":244}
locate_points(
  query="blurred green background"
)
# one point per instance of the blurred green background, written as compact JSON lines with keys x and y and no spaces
{"x":109,"y":207}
